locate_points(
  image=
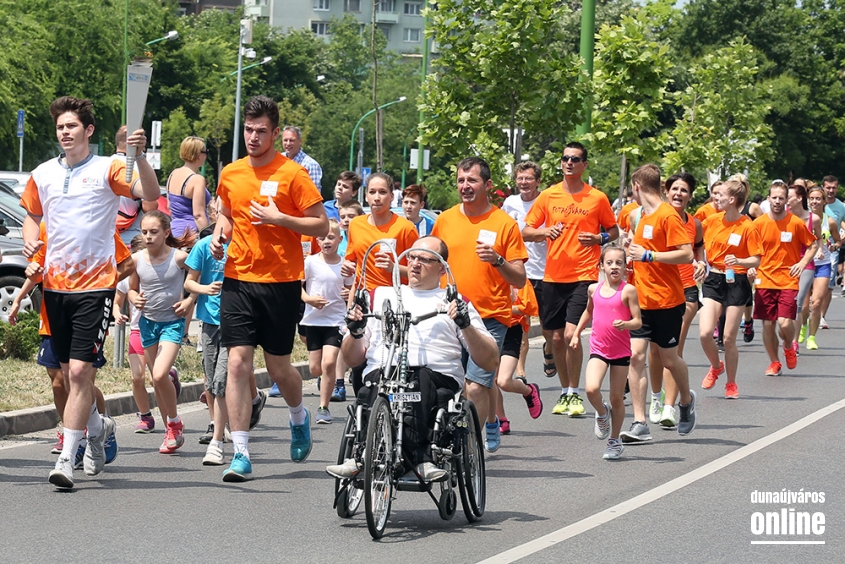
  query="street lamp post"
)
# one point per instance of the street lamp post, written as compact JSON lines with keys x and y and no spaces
{"x":354,"y":129}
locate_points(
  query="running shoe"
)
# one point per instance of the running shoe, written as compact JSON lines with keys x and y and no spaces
{"x":213,"y":456}
{"x":62,"y":475}
{"x":748,"y":331}
{"x":791,"y":358}
{"x":602,"y":426}
{"x":576,"y":405}
{"x":712,"y":375}
{"x":638,"y":433}
{"x":687,"y":422}
{"x":774,"y":369}
{"x":111,"y":444}
{"x":240,"y":470}
{"x":300,"y":439}
{"x":796,"y":349}
{"x":823,"y":324}
{"x":206,"y":437}
{"x":656,"y":408}
{"x":95,"y":452}
{"x":812,"y":345}
{"x":60,"y":443}
{"x":174,"y":377}
{"x":348,"y":469}
{"x":430,"y":472}
{"x":614,"y":450}
{"x":504,"y":426}
{"x":146,"y":424}
{"x":731,"y":391}
{"x":533,"y":400}
{"x":324,"y":416}
{"x":257,"y":408}
{"x":802,"y":334}
{"x":173,"y":438}
{"x":339,"y":392}
{"x":720,"y":344}
{"x":667,"y":418}
{"x":562,"y":405}
{"x":79,"y":459}
{"x":493,"y":439}
{"x":274,"y":392}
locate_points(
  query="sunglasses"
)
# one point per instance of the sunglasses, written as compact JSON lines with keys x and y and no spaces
{"x":576,"y":160}
{"x":204,"y":152}
{"x":421,"y":259}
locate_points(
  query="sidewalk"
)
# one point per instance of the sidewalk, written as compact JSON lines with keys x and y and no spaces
{"x":41,"y":418}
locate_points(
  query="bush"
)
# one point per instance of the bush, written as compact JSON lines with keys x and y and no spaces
{"x":21,"y":341}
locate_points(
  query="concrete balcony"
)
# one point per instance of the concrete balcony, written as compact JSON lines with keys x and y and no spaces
{"x":387,"y":17}
{"x":257,"y":11}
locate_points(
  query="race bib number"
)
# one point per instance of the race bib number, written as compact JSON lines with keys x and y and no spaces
{"x":487,"y":237}
{"x":734,"y":239}
{"x":785,"y":237}
{"x":269,"y":188}
{"x":648,"y":231}
{"x":306,"y":247}
{"x":387,"y":245}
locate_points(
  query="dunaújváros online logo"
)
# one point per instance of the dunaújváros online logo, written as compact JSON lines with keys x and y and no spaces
{"x":787,"y":517}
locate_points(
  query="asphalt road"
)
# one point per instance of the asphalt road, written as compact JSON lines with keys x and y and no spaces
{"x":550,"y":495}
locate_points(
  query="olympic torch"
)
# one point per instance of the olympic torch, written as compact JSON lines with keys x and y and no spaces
{"x":137,"y":87}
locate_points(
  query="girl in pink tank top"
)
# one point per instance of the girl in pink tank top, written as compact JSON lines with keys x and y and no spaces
{"x":614,"y":310}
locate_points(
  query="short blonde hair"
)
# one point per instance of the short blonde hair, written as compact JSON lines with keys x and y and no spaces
{"x":334,"y":225}
{"x":191,"y":148}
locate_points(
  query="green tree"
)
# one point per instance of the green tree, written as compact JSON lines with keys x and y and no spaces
{"x":174,"y":129}
{"x":215,"y":126}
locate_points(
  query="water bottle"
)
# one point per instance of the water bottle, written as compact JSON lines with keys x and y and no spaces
{"x":729,"y":276}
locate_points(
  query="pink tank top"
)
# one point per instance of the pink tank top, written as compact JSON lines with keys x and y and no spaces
{"x":605,"y":340}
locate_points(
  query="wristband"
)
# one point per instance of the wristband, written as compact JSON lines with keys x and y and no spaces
{"x":605,"y":238}
{"x":645,"y":257}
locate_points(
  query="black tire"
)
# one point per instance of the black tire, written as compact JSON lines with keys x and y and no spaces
{"x":347,"y":492}
{"x":472,"y":477}
{"x":448,"y":504}
{"x":10,"y":287}
{"x":378,"y":467}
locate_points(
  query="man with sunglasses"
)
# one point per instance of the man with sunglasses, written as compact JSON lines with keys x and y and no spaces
{"x":571,"y":216}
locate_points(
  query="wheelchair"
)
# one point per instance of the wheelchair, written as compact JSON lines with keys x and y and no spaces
{"x":373,"y":434}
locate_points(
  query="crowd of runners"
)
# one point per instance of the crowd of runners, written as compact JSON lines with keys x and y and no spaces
{"x":267,"y":257}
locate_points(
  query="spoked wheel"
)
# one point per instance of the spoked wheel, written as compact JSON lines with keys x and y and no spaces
{"x":348,"y":493}
{"x":472,"y":478}
{"x":378,"y":467}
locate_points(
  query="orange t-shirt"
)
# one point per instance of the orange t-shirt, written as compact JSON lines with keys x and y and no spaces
{"x":526,"y":301}
{"x":783,"y":242}
{"x":705,"y":211}
{"x":659,"y":284}
{"x":624,"y":213}
{"x":687,"y":270}
{"x":567,"y":260}
{"x":265,"y":253}
{"x":723,"y":238}
{"x":121,"y":253}
{"x":479,"y":281}
{"x":362,"y":234}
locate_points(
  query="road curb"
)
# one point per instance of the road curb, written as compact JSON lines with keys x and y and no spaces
{"x":45,"y":417}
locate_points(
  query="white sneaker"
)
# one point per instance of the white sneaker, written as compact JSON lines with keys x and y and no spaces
{"x":667,"y":418}
{"x":823,"y":324}
{"x":602,"y":426}
{"x":346,"y":470}
{"x":95,"y":452}
{"x":430,"y":472}
{"x":62,"y":475}
{"x":655,"y":409}
{"x":213,"y":456}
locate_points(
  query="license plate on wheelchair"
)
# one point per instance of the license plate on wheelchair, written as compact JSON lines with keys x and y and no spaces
{"x":406,"y":397}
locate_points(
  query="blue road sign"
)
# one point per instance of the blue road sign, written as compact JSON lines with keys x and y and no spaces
{"x":365,"y":174}
{"x":20,"y":122}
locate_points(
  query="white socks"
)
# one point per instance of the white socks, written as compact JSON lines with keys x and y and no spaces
{"x":297,"y":414}
{"x":240,"y":440}
{"x":72,"y":440}
{"x":95,"y":422}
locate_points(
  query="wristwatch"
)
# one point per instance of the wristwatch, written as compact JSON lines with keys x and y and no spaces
{"x":500,"y":261}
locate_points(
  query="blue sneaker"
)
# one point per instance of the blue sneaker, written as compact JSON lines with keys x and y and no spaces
{"x":275,"y":392}
{"x":300,"y":439}
{"x":494,"y":436}
{"x":339,"y":392}
{"x":79,"y":459}
{"x":239,"y":471}
{"x":111,"y":447}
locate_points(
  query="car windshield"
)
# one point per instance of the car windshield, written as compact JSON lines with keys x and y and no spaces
{"x":12,"y":205}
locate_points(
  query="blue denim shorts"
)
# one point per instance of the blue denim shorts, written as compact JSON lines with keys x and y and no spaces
{"x":473,"y":372}
{"x":153,"y":332}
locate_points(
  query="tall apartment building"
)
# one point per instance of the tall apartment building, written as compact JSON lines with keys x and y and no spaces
{"x":399,"y":20}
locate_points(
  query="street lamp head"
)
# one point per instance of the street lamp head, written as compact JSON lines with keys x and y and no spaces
{"x":321,"y":77}
{"x":266,"y":60}
{"x":171,"y":35}
{"x":401,"y":99}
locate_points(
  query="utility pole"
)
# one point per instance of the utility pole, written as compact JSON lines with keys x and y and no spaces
{"x":426,"y":48}
{"x":588,"y":41}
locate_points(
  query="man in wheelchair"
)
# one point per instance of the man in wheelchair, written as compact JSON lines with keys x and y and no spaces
{"x":434,"y":352}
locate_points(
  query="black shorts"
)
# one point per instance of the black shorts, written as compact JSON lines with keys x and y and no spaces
{"x":538,"y":292}
{"x":79,"y":322}
{"x":716,"y":288}
{"x":317,"y":337}
{"x":254,"y":314}
{"x":513,"y":341}
{"x":299,"y":328}
{"x":691,"y":295}
{"x":47,"y":356}
{"x":563,"y":303}
{"x":624,"y":361}
{"x":661,"y":326}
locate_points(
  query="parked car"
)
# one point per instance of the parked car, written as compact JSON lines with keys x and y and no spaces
{"x":12,"y":276}
{"x":12,"y":214}
{"x":15,"y":180}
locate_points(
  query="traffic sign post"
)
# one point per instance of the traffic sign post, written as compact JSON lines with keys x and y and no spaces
{"x":21,"y":118}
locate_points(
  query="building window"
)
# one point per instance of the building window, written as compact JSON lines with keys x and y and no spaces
{"x":322,"y":5}
{"x":413,"y":8}
{"x":412,"y":35}
{"x":385,"y":30}
{"x":351,"y":5}
{"x":320,"y":28}
{"x":388,"y":6}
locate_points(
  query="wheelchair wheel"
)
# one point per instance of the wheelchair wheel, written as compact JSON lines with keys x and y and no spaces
{"x":472,"y":479}
{"x":378,"y":467}
{"x":348,"y":493}
{"x":448,"y":502}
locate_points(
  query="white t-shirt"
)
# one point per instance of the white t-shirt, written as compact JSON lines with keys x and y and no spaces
{"x":435,"y":343}
{"x":518,"y":208}
{"x":323,"y":279}
{"x":134,"y":314}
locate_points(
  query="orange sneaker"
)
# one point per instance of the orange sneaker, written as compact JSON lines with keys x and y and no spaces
{"x":712,"y":375}
{"x":774,"y":369}
{"x":791,"y":358}
{"x":731,"y":391}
